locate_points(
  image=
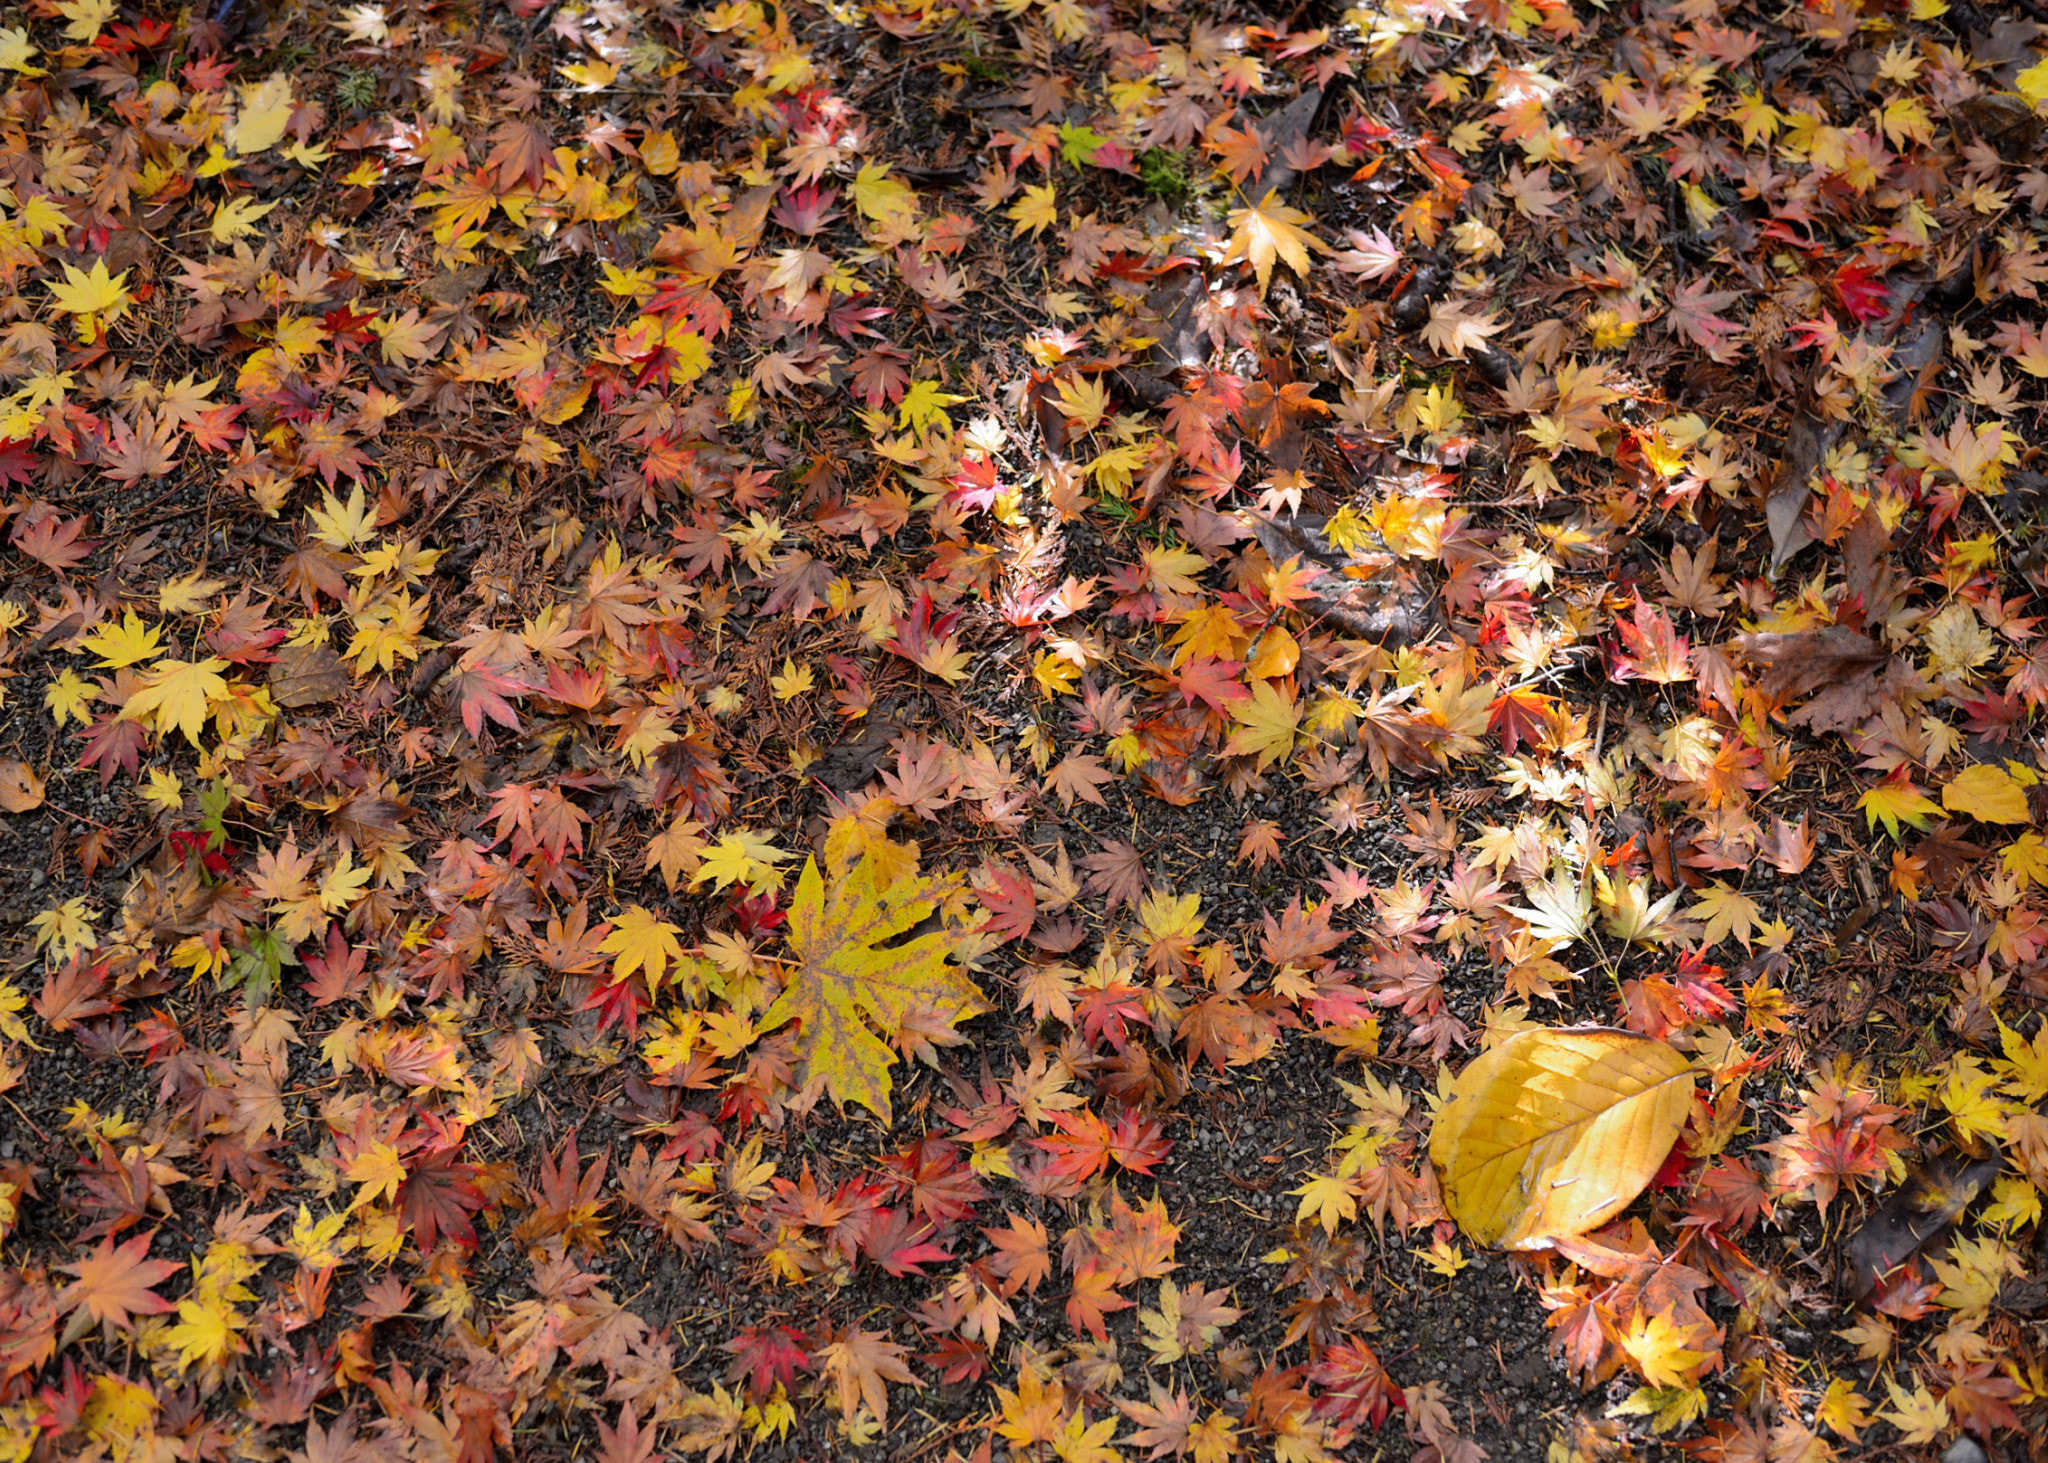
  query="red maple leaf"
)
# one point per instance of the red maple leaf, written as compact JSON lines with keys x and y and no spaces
{"x":438,"y":1196}
{"x":1517,"y":716}
{"x":621,"y":1001}
{"x":767,"y":1357}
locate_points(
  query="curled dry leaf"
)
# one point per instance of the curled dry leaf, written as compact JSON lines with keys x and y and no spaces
{"x":1555,"y":1130}
{"x":21,"y":791}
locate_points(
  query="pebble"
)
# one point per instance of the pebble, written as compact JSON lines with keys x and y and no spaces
{"x":1963,"y":1450}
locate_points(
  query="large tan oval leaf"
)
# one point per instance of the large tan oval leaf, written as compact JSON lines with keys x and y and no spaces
{"x":1554,"y":1131}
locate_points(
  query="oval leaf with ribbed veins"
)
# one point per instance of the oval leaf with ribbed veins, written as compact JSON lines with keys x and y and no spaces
{"x":1555,"y":1130}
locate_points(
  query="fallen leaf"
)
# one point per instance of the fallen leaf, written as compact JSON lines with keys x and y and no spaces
{"x":21,"y":791}
{"x":1555,"y":1130}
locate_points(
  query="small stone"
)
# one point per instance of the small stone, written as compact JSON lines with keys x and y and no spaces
{"x":1963,"y":1450}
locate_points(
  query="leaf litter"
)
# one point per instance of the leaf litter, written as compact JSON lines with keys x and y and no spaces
{"x":901,"y":730}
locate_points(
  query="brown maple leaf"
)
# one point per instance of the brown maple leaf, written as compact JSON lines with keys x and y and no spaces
{"x":1117,"y":872}
{"x":1079,"y":775}
{"x":520,"y":153}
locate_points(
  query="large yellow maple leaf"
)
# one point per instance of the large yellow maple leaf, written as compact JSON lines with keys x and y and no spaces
{"x":855,"y":978}
{"x":1271,"y":230}
{"x":1554,"y":1131}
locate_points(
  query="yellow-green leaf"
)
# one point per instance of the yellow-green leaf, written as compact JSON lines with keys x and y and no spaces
{"x":857,"y":981}
{"x":1268,"y":721}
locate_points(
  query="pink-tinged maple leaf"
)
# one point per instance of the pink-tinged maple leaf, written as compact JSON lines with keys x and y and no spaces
{"x":113,"y":744}
{"x":18,"y":463}
{"x":114,"y":1282}
{"x":1692,"y":317}
{"x":902,"y":1245}
{"x":1213,"y":682}
{"x":50,"y":540}
{"x":1079,"y":775}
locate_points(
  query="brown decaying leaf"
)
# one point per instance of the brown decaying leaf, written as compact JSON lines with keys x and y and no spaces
{"x":307,"y":675}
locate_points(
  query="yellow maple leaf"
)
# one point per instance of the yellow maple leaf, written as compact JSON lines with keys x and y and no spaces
{"x":95,"y":297}
{"x":386,"y":631}
{"x":1919,"y":1415}
{"x":1443,"y":1257}
{"x":127,"y":643}
{"x":344,"y":883}
{"x":1055,"y":674}
{"x":2032,"y":84}
{"x":1035,"y":212}
{"x":235,"y":218}
{"x":1727,"y":912}
{"x":1271,"y":230}
{"x":2025,"y":1065}
{"x":1330,"y":1198}
{"x":187,"y":594}
{"x":319,"y":1243}
{"x":2026,"y":858}
{"x":1843,"y":1409}
{"x":1987,"y":793}
{"x":204,"y":1334}
{"x":857,"y":981}
{"x":344,"y":525}
{"x":1173,"y":568}
{"x":69,"y":697}
{"x":177,"y":694}
{"x":87,"y":17}
{"x":880,"y":197}
{"x":380,"y":1172}
{"x":642,"y":940}
{"x":1661,"y":1351}
{"x":1268,"y":720}
{"x":741,"y":857}
{"x":793,"y":681}
{"x":266,"y":113}
{"x":17,"y":53}
{"x":165,"y":791}
{"x":1531,"y":1123}
{"x":64,"y":930}
{"x":924,"y":406}
{"x":1896,"y":800}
